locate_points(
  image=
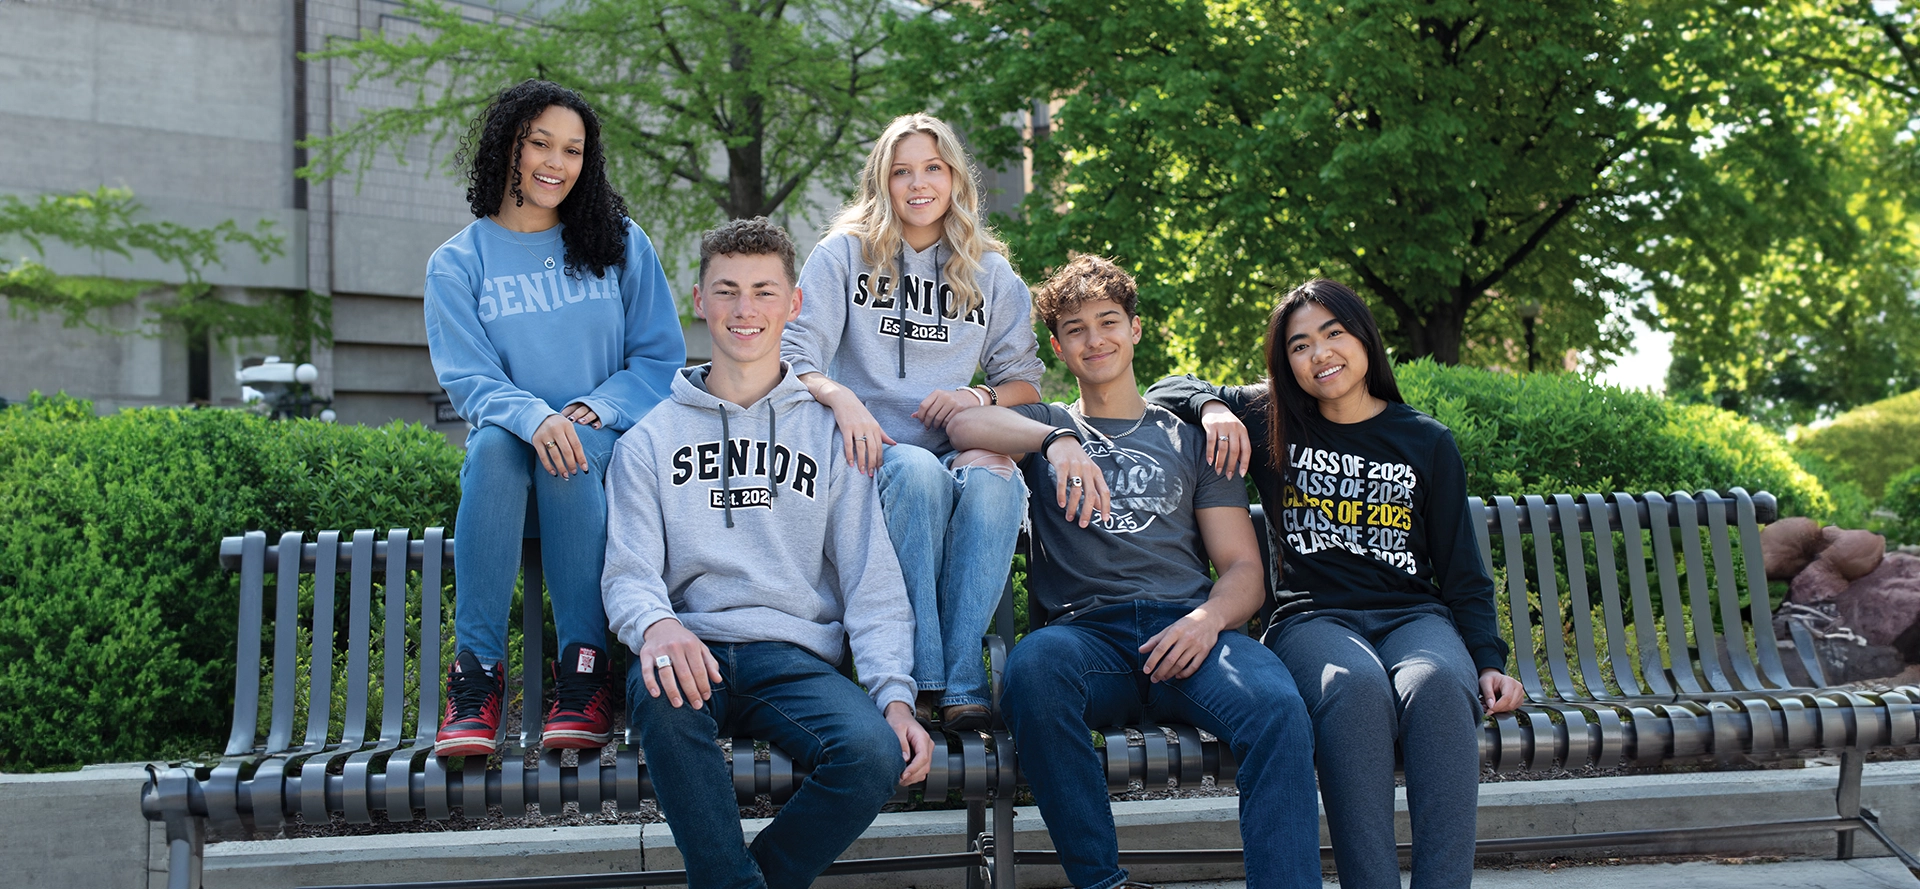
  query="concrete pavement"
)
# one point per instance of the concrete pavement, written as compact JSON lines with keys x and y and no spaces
{"x":1858,"y":873}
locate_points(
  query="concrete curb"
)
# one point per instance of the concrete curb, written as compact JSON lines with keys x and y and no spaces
{"x":85,"y":829}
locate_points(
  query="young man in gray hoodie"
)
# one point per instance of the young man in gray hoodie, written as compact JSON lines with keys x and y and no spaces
{"x":743,"y":559}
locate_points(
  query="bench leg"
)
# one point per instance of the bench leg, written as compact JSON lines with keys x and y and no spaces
{"x":1847,"y":797}
{"x":1003,"y":867}
{"x":186,"y":845}
{"x":977,"y":839}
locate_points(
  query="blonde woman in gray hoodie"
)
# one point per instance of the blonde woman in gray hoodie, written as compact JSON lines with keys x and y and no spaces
{"x":910,"y":296}
{"x":741,"y":569}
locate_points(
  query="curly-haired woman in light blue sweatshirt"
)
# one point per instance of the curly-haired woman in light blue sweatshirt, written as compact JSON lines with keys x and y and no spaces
{"x":552,"y":329}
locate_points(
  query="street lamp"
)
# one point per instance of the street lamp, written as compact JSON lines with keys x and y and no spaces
{"x":1529,"y":313}
{"x":286,"y":388}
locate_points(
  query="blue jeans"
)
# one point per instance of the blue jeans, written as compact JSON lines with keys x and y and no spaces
{"x":1374,"y":680}
{"x":494,"y":481}
{"x":780,"y":693}
{"x":1071,"y":676}
{"x":954,"y":531}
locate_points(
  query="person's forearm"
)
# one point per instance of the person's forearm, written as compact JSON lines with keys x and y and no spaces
{"x":996,"y":429}
{"x":823,"y":389}
{"x":1017,"y":392}
{"x":1238,"y":593}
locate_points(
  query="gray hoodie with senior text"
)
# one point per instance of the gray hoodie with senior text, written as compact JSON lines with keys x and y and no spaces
{"x":882,"y":337}
{"x":770,"y":537}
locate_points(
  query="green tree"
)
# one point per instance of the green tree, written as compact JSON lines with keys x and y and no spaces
{"x":1451,"y":159}
{"x":111,"y":221}
{"x":1818,"y":313}
{"x":710,"y":110}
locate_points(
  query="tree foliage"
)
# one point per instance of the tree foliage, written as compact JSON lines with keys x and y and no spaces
{"x":1450,"y":159}
{"x":710,"y":110}
{"x":111,"y":221}
{"x":1816,"y":313}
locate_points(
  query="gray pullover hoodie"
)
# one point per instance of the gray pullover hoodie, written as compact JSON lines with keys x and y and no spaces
{"x":850,"y":324}
{"x":773,"y":540}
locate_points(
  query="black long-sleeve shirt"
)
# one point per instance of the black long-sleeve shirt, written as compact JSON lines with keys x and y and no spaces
{"x":1368,"y":515}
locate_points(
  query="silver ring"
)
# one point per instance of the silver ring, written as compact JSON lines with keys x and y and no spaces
{"x":859,"y":438}
{"x":663,"y":662}
{"x":1074,"y":482}
{"x":552,"y":444}
{"x":1223,"y":438}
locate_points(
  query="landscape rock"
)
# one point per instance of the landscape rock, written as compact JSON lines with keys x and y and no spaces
{"x":1818,"y":582}
{"x":1788,"y":545}
{"x":1884,"y":606}
{"x":1854,"y":553}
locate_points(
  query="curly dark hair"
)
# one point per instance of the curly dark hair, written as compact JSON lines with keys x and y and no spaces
{"x":1084,"y":279}
{"x":758,"y":236}
{"x":594,"y":215}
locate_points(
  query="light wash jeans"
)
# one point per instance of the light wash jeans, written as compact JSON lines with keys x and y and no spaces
{"x":1071,"y":676}
{"x":1373,"y":679}
{"x":781,"y":693}
{"x":954,"y":531}
{"x":494,"y":482}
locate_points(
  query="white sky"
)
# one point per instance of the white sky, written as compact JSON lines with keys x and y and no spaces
{"x":1645,"y":367}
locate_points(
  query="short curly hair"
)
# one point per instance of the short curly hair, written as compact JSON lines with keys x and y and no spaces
{"x":1085,"y":278}
{"x":594,"y":215}
{"x":758,"y":236}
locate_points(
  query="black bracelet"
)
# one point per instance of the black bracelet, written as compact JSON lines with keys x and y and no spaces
{"x":992,"y":396}
{"x":1056,"y":435}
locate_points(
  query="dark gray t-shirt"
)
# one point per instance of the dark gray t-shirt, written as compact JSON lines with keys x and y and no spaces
{"x":1149,"y":548}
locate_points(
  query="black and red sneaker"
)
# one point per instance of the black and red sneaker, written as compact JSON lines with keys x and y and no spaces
{"x":581,"y":715}
{"x":471,"y":724}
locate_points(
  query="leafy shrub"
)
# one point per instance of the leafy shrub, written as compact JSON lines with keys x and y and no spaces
{"x":1552,"y":433}
{"x":116,"y":619}
{"x":1872,"y":443}
{"x":1852,"y":508}
{"x":1903,"y":500}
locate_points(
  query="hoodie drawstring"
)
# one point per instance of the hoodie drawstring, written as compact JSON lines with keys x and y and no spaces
{"x":773,"y":447}
{"x":726,"y":468}
{"x":726,"y":465}
{"x":900,"y":302}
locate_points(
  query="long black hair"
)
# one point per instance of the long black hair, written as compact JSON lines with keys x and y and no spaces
{"x":593,"y":213}
{"x":1288,"y":405}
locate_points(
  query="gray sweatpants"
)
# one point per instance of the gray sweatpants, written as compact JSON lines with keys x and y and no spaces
{"x":1372,"y":679}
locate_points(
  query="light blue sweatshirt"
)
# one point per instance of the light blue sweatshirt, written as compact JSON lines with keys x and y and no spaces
{"x":514,"y":339}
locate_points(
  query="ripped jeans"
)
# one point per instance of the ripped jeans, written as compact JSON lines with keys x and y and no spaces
{"x":954,"y":531}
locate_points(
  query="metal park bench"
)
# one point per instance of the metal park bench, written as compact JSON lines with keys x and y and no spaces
{"x":1666,"y":665}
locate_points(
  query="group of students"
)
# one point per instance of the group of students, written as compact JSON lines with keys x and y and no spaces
{"x":833,"y":484}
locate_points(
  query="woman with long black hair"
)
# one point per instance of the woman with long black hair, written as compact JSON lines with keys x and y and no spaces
{"x":1384,"y":614}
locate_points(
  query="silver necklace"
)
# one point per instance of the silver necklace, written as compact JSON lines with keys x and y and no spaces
{"x":523,"y":245}
{"x":1081,"y":419}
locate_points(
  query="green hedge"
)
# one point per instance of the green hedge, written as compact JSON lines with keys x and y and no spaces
{"x":1872,"y":443}
{"x":1551,"y":433}
{"x":116,"y":619}
{"x":1903,"y":500}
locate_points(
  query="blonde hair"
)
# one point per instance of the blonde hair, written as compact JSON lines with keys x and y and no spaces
{"x":870,"y":217}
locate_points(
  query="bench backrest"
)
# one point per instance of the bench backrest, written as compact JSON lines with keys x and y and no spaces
{"x":1624,"y":593}
{"x":1661,"y":595}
